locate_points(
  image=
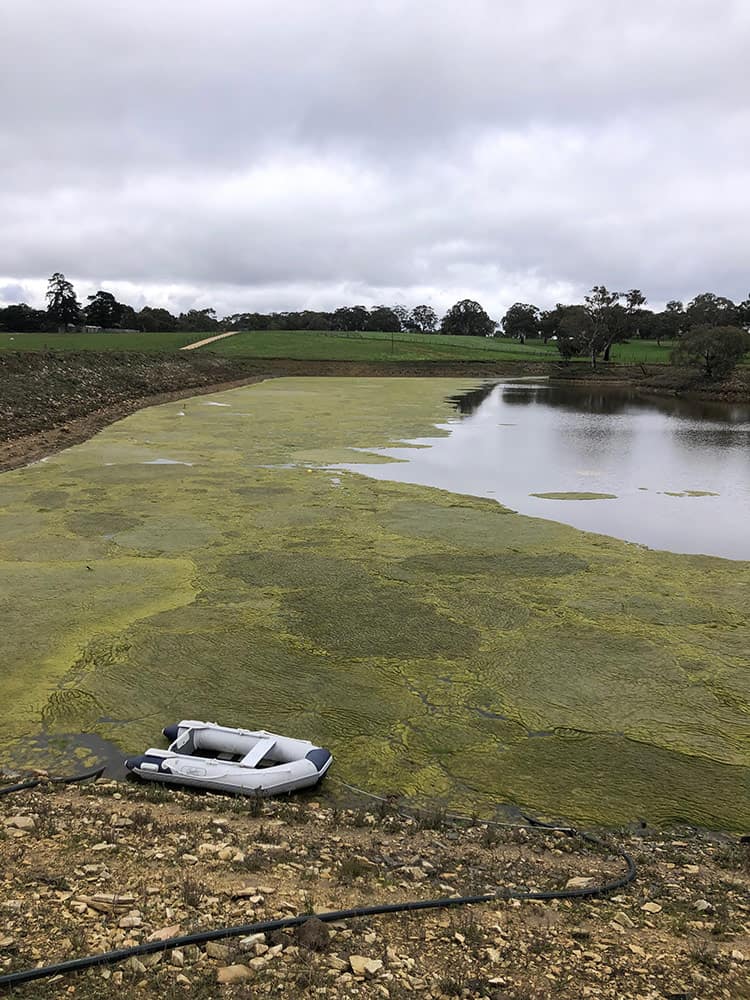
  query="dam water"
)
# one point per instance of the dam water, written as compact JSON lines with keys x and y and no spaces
{"x":663,"y":472}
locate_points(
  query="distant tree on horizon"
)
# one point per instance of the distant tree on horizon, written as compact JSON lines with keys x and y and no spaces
{"x":103,"y":310}
{"x":467,"y":318}
{"x":522,"y":320}
{"x":383,"y":318}
{"x":708,"y":309}
{"x":424,"y":319}
{"x":63,"y":307}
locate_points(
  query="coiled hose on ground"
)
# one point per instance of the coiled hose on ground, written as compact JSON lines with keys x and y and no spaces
{"x":285,"y":923}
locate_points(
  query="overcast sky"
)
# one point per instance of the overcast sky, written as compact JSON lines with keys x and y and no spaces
{"x":274,"y":154}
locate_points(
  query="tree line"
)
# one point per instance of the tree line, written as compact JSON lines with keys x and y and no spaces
{"x":708,"y":331}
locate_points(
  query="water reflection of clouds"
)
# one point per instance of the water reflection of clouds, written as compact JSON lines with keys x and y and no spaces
{"x":567,"y":439}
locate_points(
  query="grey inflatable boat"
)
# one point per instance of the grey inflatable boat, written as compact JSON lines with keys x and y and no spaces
{"x":243,"y":761}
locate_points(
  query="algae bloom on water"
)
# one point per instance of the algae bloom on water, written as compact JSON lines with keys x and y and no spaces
{"x":442,"y":646}
{"x":574,"y":496}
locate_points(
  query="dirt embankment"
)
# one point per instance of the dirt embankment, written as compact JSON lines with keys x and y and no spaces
{"x":51,"y":400}
{"x":662,"y":379}
{"x":85,"y":870}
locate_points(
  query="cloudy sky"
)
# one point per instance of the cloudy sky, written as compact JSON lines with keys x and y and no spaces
{"x":247,"y":154}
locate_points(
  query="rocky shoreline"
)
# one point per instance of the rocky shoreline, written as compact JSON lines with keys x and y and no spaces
{"x":91,"y":868}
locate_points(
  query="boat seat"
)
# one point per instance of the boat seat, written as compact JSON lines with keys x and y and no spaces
{"x":185,"y":743}
{"x":259,"y":751}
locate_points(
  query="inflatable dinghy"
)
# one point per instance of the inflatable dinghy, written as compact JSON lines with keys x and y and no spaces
{"x":206,"y":755}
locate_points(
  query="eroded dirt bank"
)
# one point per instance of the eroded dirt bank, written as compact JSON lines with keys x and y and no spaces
{"x":51,"y":400}
{"x":90,"y":869}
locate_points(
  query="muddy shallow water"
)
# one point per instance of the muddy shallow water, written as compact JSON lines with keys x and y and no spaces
{"x":668,"y":473}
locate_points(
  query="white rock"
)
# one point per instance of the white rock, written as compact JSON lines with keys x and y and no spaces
{"x":251,"y":940}
{"x":363,"y":966}
{"x":21,"y":822}
{"x":579,"y":882}
{"x":234,"y":974}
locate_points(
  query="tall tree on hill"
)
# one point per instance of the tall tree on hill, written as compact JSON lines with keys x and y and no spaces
{"x":155,"y":320}
{"x":708,"y":309}
{"x":404,"y":317}
{"x":351,"y":318}
{"x":549,"y":321}
{"x":383,"y":318}
{"x":635,"y":300}
{"x":198,"y":320}
{"x":672,"y":321}
{"x":62,"y":305}
{"x":103,"y":310}
{"x":606,"y":321}
{"x":424,"y":319}
{"x":467,"y":319}
{"x":521,"y":321}
{"x":573,"y":329}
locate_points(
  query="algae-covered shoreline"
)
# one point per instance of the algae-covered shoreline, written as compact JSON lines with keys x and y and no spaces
{"x":443,"y":646}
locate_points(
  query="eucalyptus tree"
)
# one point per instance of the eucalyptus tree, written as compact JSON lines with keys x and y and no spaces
{"x":607,"y":321}
{"x":522,"y":320}
{"x":467,"y":319}
{"x":424,"y":319}
{"x":714,"y":350}
{"x":708,"y":309}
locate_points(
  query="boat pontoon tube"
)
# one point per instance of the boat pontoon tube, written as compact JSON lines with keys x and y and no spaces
{"x":206,"y":755}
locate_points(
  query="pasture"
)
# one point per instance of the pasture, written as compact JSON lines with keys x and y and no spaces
{"x":310,"y":345}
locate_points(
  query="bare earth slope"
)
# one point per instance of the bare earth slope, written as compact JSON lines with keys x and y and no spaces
{"x":91,"y":869}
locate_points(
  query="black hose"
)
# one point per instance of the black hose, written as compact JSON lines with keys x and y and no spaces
{"x":266,"y":926}
{"x":66,"y":780}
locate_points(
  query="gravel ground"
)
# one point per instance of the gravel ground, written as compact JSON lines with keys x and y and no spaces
{"x":87,"y":869}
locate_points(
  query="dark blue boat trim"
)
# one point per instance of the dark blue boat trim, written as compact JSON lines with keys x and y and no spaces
{"x":171,"y":732}
{"x":320,"y":757}
{"x":133,"y":763}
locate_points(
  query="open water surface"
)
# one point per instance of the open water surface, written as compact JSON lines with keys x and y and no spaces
{"x":517,"y":439}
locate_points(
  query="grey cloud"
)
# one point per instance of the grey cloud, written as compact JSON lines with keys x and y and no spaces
{"x":262,"y":156}
{"x":13,"y":292}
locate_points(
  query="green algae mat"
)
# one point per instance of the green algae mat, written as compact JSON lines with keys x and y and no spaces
{"x":201,"y":559}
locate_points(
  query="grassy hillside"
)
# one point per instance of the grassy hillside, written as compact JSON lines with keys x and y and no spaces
{"x":308,"y":345}
{"x":96,"y":341}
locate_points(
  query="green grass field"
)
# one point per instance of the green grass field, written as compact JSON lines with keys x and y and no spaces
{"x":307,"y":345}
{"x":160,"y":342}
{"x":331,"y":345}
